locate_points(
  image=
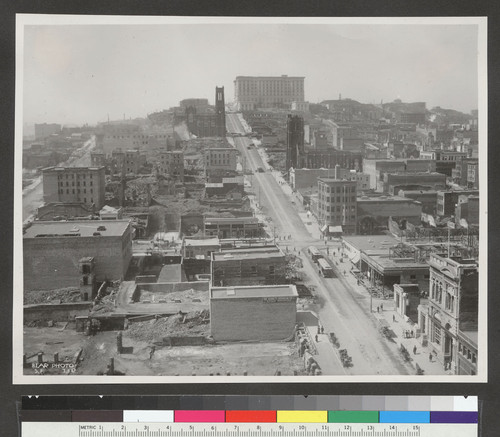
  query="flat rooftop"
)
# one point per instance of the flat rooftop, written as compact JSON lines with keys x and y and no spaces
{"x":384,"y":199}
{"x":397,"y":263}
{"x":202,"y":242}
{"x":248,"y":253}
{"x":107,"y":228}
{"x":283,"y":76}
{"x":222,"y":220}
{"x":255,"y":291}
{"x":72,"y":169}
{"x":371,"y":243}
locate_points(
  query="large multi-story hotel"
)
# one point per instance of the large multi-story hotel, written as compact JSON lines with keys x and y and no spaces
{"x":74,"y":185}
{"x":252,"y":92}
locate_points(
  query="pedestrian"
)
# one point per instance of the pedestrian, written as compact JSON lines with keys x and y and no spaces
{"x":411,"y":333}
{"x":378,"y":309}
{"x":322,"y":329}
{"x":319,"y":329}
{"x":316,"y":336}
{"x":381,"y":307}
{"x":430,"y":357}
{"x":414,"y":350}
{"x":393,"y":318}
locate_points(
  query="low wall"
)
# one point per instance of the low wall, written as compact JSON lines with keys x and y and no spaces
{"x":58,"y":312}
{"x":184,"y":341}
{"x":168,"y":287}
{"x":145,"y":279}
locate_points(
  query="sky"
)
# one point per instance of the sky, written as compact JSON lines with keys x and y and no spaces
{"x":76,"y":74}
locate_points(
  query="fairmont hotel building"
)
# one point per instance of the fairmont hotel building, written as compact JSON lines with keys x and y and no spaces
{"x":251,"y":92}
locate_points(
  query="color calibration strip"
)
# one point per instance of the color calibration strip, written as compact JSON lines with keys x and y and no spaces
{"x":255,"y":416}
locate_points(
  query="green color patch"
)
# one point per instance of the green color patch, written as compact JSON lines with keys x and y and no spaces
{"x":353,"y":417}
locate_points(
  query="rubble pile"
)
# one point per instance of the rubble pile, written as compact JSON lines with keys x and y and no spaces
{"x":188,"y":325}
{"x":60,"y":295}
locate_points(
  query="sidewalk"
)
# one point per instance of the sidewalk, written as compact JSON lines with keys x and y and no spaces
{"x":327,"y":357}
{"x":397,"y":324}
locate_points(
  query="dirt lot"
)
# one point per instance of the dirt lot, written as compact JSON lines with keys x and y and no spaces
{"x":258,"y":359}
{"x":60,"y":339}
{"x":236,"y":358}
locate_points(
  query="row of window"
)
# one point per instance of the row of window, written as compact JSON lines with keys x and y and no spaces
{"x":338,"y":208}
{"x":72,"y":176}
{"x":253,"y":270}
{"x":338,"y":199}
{"x":121,"y":137}
{"x":77,"y":183}
{"x":339,"y":218}
{"x":338,"y":189}
{"x":61,"y":191}
{"x":438,"y":291}
{"x":467,"y":353}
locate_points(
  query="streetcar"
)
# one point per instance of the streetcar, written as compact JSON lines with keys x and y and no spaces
{"x":315,"y":253}
{"x":325,"y":268}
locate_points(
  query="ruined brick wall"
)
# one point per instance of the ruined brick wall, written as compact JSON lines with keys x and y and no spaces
{"x":53,"y":262}
{"x":252,"y":319}
{"x":57,"y":313}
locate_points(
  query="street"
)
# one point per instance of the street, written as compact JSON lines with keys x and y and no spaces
{"x":345,"y":310}
{"x":33,"y":195}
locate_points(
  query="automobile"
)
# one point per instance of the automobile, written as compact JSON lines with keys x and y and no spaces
{"x":260,"y":170}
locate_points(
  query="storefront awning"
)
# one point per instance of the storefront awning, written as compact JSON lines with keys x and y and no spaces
{"x":355,"y":259}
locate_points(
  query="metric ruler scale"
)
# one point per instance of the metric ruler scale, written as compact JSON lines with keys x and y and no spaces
{"x":107,"y":429}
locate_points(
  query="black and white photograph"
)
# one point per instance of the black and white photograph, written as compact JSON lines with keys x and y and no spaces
{"x":244,"y":199}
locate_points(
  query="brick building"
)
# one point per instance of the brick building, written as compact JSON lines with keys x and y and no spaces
{"x":74,"y":185}
{"x":294,"y":141}
{"x":253,"y":313}
{"x":329,"y":158}
{"x":393,"y":182}
{"x":452,"y":307}
{"x":467,"y":352}
{"x":447,"y":201}
{"x":172,"y":164}
{"x":376,"y":168}
{"x":373,"y":212}
{"x":220,"y":158}
{"x":233,"y":227}
{"x":52,"y":250}
{"x":337,"y":203}
{"x":249,"y":266}
{"x":205,"y":124}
